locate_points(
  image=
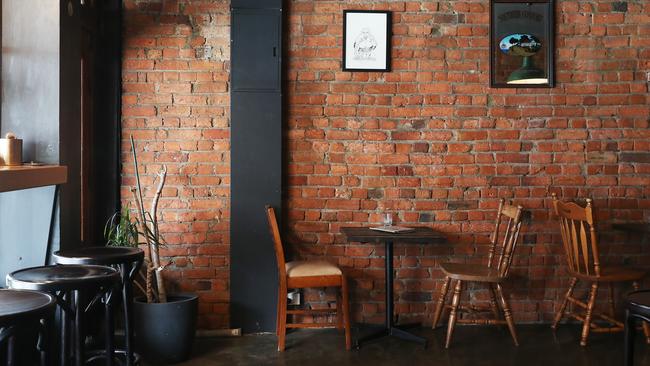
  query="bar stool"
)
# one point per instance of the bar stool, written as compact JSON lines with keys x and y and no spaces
{"x":20,"y":309}
{"x":637,"y":307}
{"x":127,"y":261}
{"x":71,"y":285}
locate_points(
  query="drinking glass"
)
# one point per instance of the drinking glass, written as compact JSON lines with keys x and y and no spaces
{"x":388,"y":219}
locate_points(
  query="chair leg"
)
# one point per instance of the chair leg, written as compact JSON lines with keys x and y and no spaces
{"x":560,"y":312}
{"x":339,"y":313}
{"x":493,"y":302}
{"x":507,"y":314}
{"x":645,"y":325}
{"x":590,"y":310}
{"x":454,"y":310}
{"x":346,"y":313}
{"x":610,"y":300}
{"x":441,"y":302}
{"x":282,"y":322}
{"x":277,"y":318}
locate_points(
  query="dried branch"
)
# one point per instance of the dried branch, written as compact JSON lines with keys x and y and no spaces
{"x":137,"y":178}
{"x":153,"y":244}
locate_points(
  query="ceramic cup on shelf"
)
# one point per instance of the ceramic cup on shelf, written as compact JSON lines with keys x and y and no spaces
{"x":11,"y":150}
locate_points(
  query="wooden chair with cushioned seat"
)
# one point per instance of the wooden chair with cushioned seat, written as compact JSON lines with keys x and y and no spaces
{"x":580,"y":242}
{"x":307,"y":274}
{"x":493,"y":274}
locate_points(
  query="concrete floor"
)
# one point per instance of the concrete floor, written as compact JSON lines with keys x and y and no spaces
{"x":472,"y":345}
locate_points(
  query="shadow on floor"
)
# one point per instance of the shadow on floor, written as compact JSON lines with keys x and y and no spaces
{"x":472,"y":345}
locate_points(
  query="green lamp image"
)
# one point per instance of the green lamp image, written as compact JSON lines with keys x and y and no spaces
{"x":525,"y":46}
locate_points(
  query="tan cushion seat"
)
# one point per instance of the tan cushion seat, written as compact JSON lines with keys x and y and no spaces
{"x":311,"y":268}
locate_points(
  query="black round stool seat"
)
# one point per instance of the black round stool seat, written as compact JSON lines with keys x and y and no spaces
{"x":637,"y":308}
{"x":99,"y":255}
{"x":17,"y":306}
{"x":23,"y":310}
{"x":638,"y":302}
{"x":62,"y":278}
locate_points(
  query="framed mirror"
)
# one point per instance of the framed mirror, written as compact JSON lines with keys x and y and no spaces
{"x":522,"y":44}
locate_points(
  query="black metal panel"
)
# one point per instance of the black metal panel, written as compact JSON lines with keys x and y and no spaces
{"x":256,"y":4}
{"x":70,"y":122}
{"x":256,"y":162}
{"x":256,"y":49}
{"x":256,"y":181}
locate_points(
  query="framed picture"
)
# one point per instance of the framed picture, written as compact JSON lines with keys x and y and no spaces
{"x":366,"y":40}
{"x":521,"y":44}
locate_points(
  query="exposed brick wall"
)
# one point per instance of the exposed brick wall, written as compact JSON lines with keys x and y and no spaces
{"x":176,"y":105}
{"x":429,"y":141}
{"x":434,"y":144}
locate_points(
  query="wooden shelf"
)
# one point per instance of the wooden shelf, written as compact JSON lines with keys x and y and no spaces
{"x":13,"y":178}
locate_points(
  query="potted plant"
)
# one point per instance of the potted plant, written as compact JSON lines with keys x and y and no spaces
{"x":165,"y":324}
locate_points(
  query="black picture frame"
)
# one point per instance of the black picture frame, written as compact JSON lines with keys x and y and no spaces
{"x":512,"y":23}
{"x":378,"y":25}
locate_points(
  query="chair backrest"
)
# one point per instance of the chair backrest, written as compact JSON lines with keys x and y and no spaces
{"x":511,"y":216}
{"x":579,"y":236}
{"x":277,"y":242}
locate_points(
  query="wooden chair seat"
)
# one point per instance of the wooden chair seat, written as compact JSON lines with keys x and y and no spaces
{"x":471,"y":272}
{"x":613,"y":274}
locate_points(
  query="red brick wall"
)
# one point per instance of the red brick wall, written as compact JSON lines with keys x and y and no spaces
{"x":176,"y":105}
{"x":429,"y":141}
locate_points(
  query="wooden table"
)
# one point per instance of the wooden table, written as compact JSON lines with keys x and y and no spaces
{"x":421,"y":235}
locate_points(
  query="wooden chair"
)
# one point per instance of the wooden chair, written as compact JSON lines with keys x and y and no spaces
{"x":493,"y":274}
{"x":306,"y":274}
{"x":580,"y":243}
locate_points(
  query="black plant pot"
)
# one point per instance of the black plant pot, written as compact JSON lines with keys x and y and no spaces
{"x":164,"y":333}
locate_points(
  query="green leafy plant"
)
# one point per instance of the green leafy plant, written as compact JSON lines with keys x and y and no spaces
{"x":121,"y":229}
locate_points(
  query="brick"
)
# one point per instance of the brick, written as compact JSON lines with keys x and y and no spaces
{"x":428,"y":141}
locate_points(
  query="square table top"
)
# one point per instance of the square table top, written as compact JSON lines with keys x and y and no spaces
{"x":421,"y":235}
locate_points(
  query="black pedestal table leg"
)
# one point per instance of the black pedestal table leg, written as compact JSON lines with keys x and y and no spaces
{"x":390,"y":329}
{"x":402,"y":334}
{"x":389,"y":284}
{"x":630,"y":323}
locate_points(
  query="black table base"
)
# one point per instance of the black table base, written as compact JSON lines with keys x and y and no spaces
{"x":390,"y":329}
